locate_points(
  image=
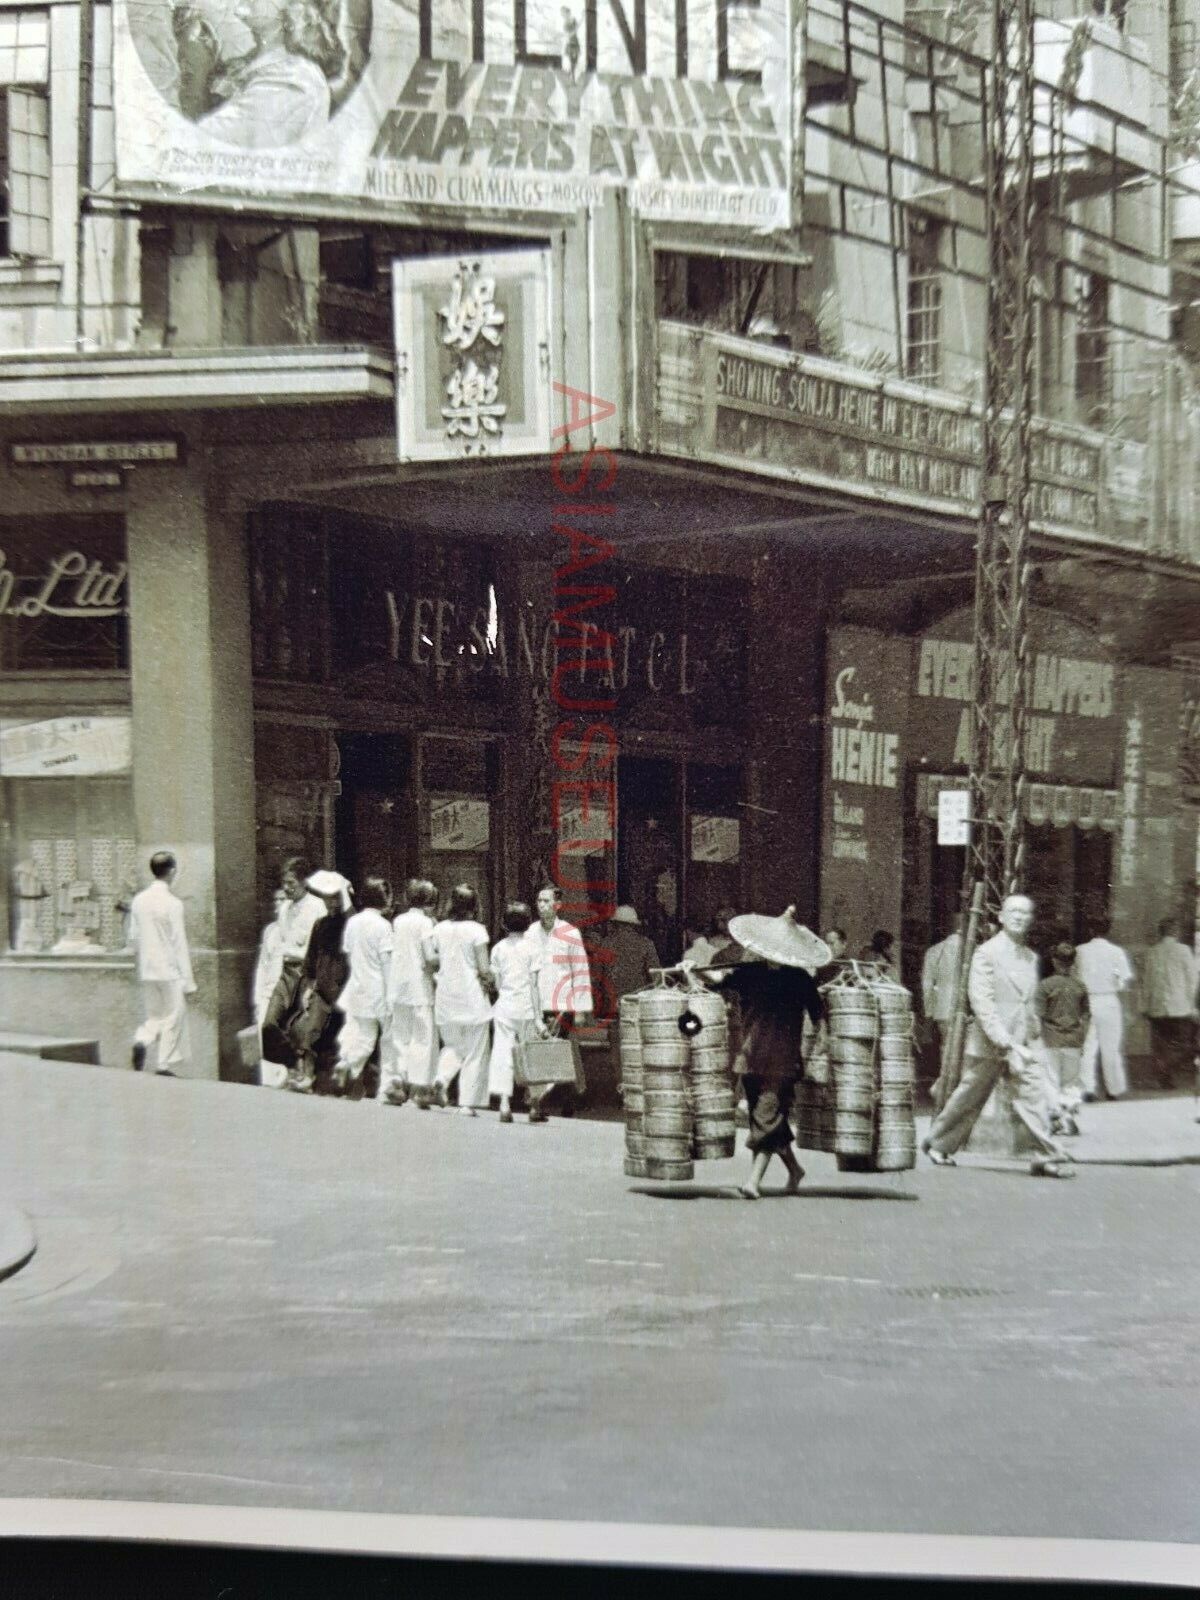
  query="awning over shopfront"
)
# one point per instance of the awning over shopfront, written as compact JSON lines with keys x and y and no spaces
{"x":1063,"y":805}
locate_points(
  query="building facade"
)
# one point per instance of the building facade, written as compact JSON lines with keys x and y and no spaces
{"x":392,"y":479}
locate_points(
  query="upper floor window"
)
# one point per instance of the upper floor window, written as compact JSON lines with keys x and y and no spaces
{"x":24,"y":134}
{"x":1093,"y":370}
{"x":923,"y":333}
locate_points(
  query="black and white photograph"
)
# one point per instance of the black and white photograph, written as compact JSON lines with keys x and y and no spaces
{"x":600,"y":783}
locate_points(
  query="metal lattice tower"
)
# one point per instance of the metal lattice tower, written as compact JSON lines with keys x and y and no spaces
{"x":997,"y":775}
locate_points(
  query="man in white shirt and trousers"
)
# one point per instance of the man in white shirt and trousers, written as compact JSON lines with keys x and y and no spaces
{"x":938,"y":973}
{"x":564,"y":982}
{"x":1169,"y":978}
{"x":1104,"y":970}
{"x":164,"y":970}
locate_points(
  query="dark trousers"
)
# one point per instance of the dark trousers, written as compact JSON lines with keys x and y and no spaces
{"x":1173,"y":1042}
{"x":277,"y":1046}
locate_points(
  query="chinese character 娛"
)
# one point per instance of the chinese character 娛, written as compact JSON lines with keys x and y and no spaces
{"x":472,"y":313}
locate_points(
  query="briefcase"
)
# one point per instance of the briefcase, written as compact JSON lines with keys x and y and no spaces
{"x":250,"y":1045}
{"x":547,"y":1061}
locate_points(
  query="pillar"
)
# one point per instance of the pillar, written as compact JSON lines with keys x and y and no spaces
{"x":193,"y":751}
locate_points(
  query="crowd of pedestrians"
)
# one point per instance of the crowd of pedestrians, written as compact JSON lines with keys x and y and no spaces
{"x":432,"y":1008}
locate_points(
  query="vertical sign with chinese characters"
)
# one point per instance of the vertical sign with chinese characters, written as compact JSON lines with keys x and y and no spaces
{"x":472,"y":355}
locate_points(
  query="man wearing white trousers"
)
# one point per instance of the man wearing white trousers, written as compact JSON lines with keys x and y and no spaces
{"x":364,"y":1001}
{"x":1105,"y":970}
{"x":410,"y":1046}
{"x":164,"y":970}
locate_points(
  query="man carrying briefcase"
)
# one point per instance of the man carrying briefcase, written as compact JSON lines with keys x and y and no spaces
{"x":565,"y":991}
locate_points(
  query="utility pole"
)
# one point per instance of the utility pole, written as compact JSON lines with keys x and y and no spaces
{"x":995,"y":851}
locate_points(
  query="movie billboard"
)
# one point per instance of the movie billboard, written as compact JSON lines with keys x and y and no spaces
{"x":519,"y":106}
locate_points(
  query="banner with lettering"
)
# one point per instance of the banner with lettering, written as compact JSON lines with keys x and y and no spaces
{"x":862,"y":827}
{"x":1071,"y":724}
{"x":64,"y":597}
{"x":496,"y":105}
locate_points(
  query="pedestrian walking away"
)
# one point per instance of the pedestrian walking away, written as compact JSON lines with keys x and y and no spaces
{"x":303,"y":909}
{"x":1169,"y":978}
{"x":1105,"y":971}
{"x":364,"y":1002}
{"x":564,"y":986}
{"x":409,"y":1052}
{"x":317,"y":1021}
{"x":164,"y":970}
{"x":1063,"y":1009}
{"x":457,"y":949}
{"x":516,"y":1014}
{"x":1004,"y":1034}
{"x":775,"y":985}
{"x":630,"y":961}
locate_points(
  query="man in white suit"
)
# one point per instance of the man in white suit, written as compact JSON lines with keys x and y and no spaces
{"x":1104,"y":970}
{"x":1003,"y":1035}
{"x":164,"y":970}
{"x":938,"y":973}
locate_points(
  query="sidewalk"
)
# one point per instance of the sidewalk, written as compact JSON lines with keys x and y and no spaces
{"x":1157,"y":1130}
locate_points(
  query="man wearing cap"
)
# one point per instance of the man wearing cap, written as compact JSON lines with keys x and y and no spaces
{"x":1004,"y":1034}
{"x":632,"y":959}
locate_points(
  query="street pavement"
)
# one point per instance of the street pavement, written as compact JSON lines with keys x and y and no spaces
{"x":248,"y":1298}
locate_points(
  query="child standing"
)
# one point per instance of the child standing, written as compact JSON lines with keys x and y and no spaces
{"x":1062,"y":1004}
{"x":516,"y":1012}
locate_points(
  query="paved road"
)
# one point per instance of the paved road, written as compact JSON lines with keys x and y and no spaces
{"x":249,"y":1298}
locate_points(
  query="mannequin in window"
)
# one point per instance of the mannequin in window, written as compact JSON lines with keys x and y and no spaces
{"x":28,"y":892}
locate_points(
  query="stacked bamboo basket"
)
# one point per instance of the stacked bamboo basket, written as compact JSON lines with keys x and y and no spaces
{"x":676,"y":1082}
{"x":866,"y":1114}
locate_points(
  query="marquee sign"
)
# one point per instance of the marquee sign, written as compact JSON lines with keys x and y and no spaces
{"x":498,"y":105}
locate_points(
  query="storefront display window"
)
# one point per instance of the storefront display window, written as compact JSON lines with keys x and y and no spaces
{"x":66,"y":802}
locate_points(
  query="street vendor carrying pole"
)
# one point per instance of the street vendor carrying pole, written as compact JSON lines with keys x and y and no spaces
{"x":774,"y":982}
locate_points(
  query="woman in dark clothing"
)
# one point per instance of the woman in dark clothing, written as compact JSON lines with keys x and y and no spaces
{"x":775,"y":996}
{"x":314,"y":1033}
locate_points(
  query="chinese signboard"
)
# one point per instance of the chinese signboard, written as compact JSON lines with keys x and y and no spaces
{"x":66,"y":747}
{"x":727,"y":400}
{"x":496,"y":105}
{"x":472,"y":355}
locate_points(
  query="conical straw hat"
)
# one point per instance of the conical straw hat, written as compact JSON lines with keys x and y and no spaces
{"x":781,"y":939}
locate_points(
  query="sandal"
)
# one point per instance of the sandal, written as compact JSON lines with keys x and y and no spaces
{"x":939,"y":1158}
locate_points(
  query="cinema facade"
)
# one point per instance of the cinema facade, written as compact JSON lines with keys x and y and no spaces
{"x":720,"y":656}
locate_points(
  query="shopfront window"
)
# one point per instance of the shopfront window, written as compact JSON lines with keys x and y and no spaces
{"x":66,"y":804}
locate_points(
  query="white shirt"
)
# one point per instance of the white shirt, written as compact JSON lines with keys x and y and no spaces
{"x":296,"y":921}
{"x":701,"y":951}
{"x":937,"y":978}
{"x":564,"y":978}
{"x":158,"y":937}
{"x":461,"y":997}
{"x":367,"y":942}
{"x":1169,"y":979}
{"x":516,"y":978}
{"x":268,"y":968}
{"x":411,"y":982}
{"x":1102,"y":967}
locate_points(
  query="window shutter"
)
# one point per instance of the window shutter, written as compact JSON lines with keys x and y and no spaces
{"x":28,"y":172}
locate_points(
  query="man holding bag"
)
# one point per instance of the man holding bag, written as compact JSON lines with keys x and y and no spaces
{"x":564,"y":988}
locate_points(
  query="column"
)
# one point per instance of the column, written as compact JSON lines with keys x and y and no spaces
{"x":193,"y":745}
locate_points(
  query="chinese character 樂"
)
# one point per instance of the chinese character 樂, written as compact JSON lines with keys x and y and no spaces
{"x":474,"y":406}
{"x":472,"y":312}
